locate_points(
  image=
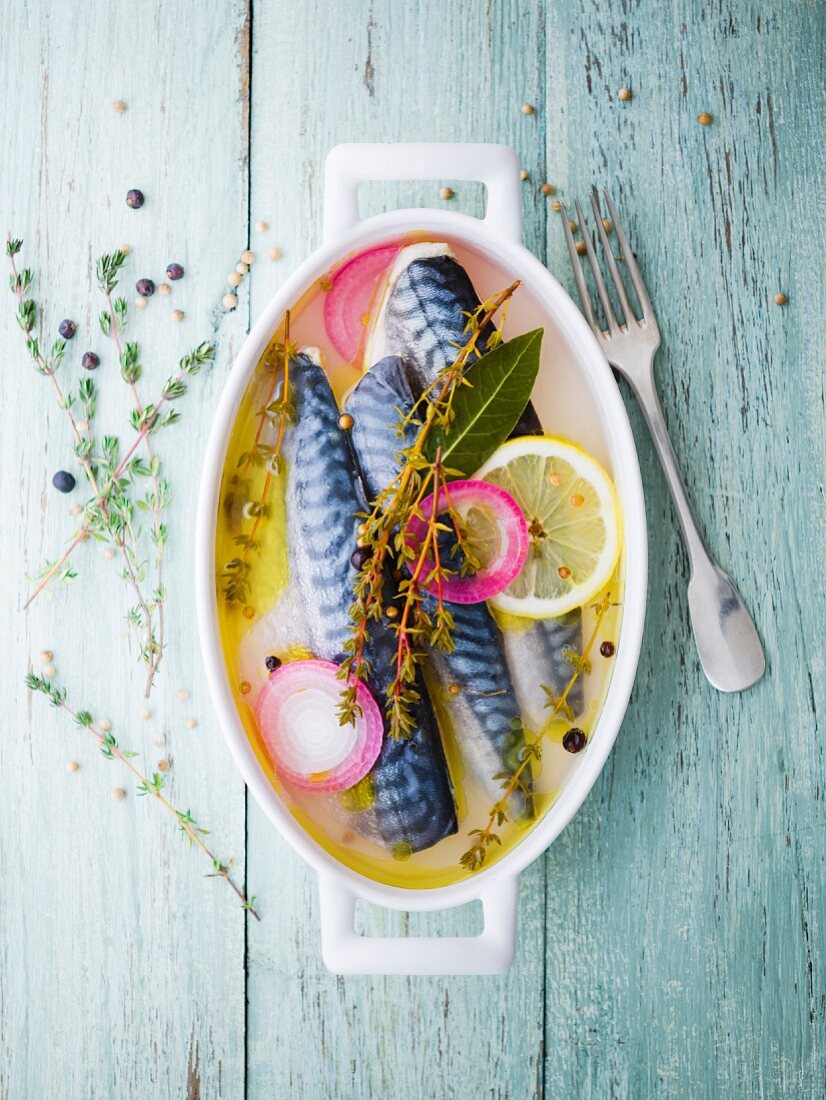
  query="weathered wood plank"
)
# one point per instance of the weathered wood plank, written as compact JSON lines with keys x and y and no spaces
{"x":122,"y":969}
{"x":684,"y":947}
{"x":381,"y":71}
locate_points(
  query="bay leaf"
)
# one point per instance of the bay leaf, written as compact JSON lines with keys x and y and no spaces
{"x":488,"y":409}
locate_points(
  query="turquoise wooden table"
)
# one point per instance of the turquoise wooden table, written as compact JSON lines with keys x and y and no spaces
{"x":672,"y":940}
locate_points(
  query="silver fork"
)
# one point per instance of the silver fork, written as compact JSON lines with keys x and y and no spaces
{"x":727,"y":641}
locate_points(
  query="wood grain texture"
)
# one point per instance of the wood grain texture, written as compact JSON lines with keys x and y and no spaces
{"x":121,"y":971}
{"x":672,"y":940}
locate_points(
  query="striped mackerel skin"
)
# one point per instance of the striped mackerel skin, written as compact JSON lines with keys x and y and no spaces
{"x":413,"y":801}
{"x":484,"y":713}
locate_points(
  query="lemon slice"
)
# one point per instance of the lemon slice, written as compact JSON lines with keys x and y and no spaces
{"x":573,"y":518}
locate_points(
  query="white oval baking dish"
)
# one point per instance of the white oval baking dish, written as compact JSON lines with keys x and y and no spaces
{"x":498,"y":235}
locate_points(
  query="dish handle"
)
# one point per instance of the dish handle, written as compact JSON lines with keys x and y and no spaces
{"x":345,"y":951}
{"x":352,"y":164}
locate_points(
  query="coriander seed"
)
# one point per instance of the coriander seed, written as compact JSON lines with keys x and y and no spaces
{"x":248,"y":257}
{"x":49,"y":672}
{"x":118,"y":794}
{"x":229,"y":301}
{"x":164,"y":288}
{"x":241,"y":268}
{"x":140,"y":303}
{"x":234,"y":279}
{"x":191,"y":724}
{"x":275,"y":254}
{"x":177,"y":315}
{"x":73,"y":766}
{"x":262,"y":227}
{"x":46,"y":657}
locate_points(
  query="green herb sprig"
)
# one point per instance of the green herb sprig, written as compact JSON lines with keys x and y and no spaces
{"x":145,"y":785}
{"x":418,"y":623}
{"x":485,"y":838}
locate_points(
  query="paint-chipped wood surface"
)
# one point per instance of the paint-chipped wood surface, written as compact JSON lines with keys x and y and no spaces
{"x":672,"y":940}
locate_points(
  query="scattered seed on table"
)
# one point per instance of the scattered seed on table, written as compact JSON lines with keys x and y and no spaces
{"x":191,"y":723}
{"x":244,"y":687}
{"x":63,"y":481}
{"x":163,"y":765}
{"x":248,"y":257}
{"x":125,"y":249}
{"x":135,"y":198}
{"x":174,"y":272}
{"x":241,"y":268}
{"x":145,"y":287}
{"x":73,"y":765}
{"x":119,"y":105}
{"x":177,"y":315}
{"x":607,"y":649}
{"x":275,"y":254}
{"x":392,"y":612}
{"x":140,"y":303}
{"x":90,"y":361}
{"x":573,"y":226}
{"x":454,"y":689}
{"x":109,"y":553}
{"x":345,"y":422}
{"x":105,"y":724}
{"x":780,"y":299}
{"x":524,"y":174}
{"x":146,"y":713}
{"x":118,"y":794}
{"x":46,"y":657}
{"x":704,"y":118}
{"x":49,"y":672}
{"x":183,"y":695}
{"x":607,"y":225}
{"x":548,"y":189}
{"x":446,"y":193}
{"x":577,"y":500}
{"x":581,"y":248}
{"x":564,"y":572}
{"x":625,"y":94}
{"x":262,"y":227}
{"x":234,"y":279}
{"x":556,"y":205}
{"x":159,"y":740}
{"x":528,"y":108}
{"x":67,"y":329}
{"x":164,"y":288}
{"x":229,"y":301}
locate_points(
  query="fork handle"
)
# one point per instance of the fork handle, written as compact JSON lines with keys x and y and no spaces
{"x":727,"y":641}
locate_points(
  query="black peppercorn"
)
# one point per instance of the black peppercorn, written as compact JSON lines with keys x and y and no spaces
{"x":574,"y":740}
{"x":63,"y":481}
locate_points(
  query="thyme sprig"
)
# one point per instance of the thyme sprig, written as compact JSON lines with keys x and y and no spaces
{"x":385,"y":533}
{"x":475,"y":857}
{"x":47,"y":365}
{"x":113,"y":322}
{"x":277,"y":412}
{"x":152,"y":786}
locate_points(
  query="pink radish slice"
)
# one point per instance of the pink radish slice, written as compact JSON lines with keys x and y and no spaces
{"x":352,"y":297}
{"x":509,"y":554}
{"x":297,"y":718}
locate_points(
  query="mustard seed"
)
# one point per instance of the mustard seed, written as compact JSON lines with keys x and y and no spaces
{"x":780,"y":299}
{"x":248,"y":257}
{"x":625,"y":94}
{"x":262,"y":227}
{"x":704,"y":118}
{"x":524,"y":175}
{"x":564,"y":572}
{"x":234,"y":279}
{"x":345,"y":422}
{"x":229,"y":301}
{"x":163,"y":765}
{"x":572,"y":225}
{"x":446,"y":193}
{"x":46,"y":657}
{"x":177,"y":315}
{"x":244,"y":687}
{"x":454,"y":689}
{"x":548,"y":189}
{"x":607,"y":225}
{"x":140,"y":303}
{"x":249,"y":612}
{"x":275,"y":254}
{"x":581,"y":248}
{"x":73,"y":766}
{"x":528,"y":108}
{"x":119,"y":106}
{"x":556,"y":205}
{"x":118,"y":794}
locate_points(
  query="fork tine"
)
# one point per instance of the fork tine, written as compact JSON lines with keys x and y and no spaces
{"x":579,"y":278}
{"x":619,"y":286}
{"x":630,"y":262}
{"x":608,"y":309}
